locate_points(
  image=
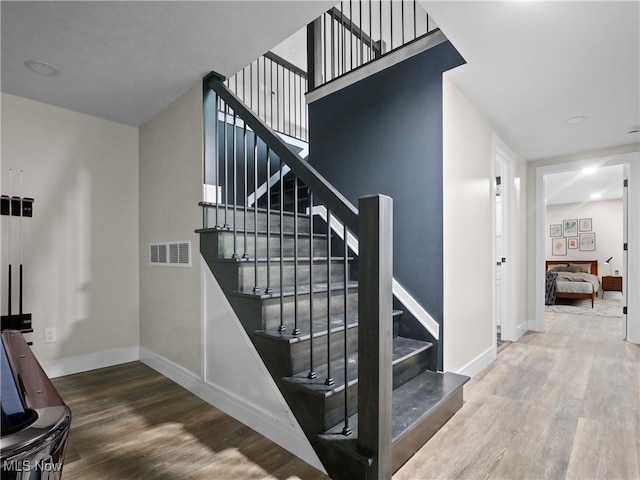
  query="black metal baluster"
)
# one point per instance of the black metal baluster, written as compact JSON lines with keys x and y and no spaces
{"x":415,"y":21}
{"x":271,"y":122}
{"x":370,"y":49}
{"x":361,"y":34}
{"x":350,"y":34}
{"x":235,"y":188}
{"x":217,"y":159}
{"x":282,"y":328}
{"x":391,"y":25}
{"x":245,"y":200}
{"x":295,"y":106}
{"x":325,"y":56}
{"x":258,"y":84}
{"x":278,"y":98}
{"x":344,"y":42}
{"x":269,"y":289}
{"x":333,"y":48}
{"x":296,"y":330}
{"x":329,"y":380}
{"x":402,"y":19}
{"x":256,"y":287}
{"x":380,"y":26}
{"x":289,"y":99}
{"x":226,"y":176}
{"x":346,"y":430}
{"x":312,"y":373}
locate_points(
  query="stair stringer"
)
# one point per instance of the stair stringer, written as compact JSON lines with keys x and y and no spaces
{"x":232,"y":364}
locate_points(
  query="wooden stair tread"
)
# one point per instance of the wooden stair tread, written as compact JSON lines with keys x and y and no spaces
{"x":259,"y":232}
{"x":252,"y":209}
{"x":403,"y":348}
{"x":303,"y":260}
{"x":302,"y":290}
{"x":319,"y":329}
{"x":413,"y":402}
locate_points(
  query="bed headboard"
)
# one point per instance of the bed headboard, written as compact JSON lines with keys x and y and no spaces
{"x":594,"y":264}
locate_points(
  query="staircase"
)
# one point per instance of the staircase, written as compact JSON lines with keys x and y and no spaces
{"x":422,"y":400}
{"x":319,"y":316}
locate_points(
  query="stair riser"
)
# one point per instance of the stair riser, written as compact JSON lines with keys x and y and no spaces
{"x":405,"y":447}
{"x":300,"y":359}
{"x":274,"y":223}
{"x":226,"y":246}
{"x":271,"y":308}
{"x":246,"y":274}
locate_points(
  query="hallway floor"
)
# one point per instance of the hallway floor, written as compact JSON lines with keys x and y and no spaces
{"x":554,"y":405}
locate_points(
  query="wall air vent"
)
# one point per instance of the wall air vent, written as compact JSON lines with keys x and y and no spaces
{"x":175,"y":254}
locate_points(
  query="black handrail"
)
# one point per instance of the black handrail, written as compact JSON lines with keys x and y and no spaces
{"x":331,"y":197}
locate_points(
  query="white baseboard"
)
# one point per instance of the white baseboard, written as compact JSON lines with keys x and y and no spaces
{"x":288,"y":437}
{"x":479,"y":363}
{"x":92,"y":361}
{"x":522,"y":329}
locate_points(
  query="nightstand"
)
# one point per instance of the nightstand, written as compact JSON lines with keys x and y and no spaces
{"x":611,"y":284}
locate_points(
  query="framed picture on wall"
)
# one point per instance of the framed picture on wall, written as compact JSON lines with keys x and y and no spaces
{"x":572,"y":242}
{"x":571,"y":228}
{"x":588,"y":242}
{"x":585,"y":225}
{"x":558,"y":246}
{"x":555,"y":230}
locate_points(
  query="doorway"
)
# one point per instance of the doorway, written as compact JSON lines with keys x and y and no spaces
{"x":505,"y":246}
{"x":628,"y":263}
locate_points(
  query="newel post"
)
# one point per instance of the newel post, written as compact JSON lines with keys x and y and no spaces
{"x":375,"y":303}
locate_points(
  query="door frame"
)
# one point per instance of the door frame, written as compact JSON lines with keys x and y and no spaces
{"x":509,"y":322}
{"x":632,"y":272}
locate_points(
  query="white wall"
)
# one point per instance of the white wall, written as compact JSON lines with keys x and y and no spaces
{"x":469,"y":341}
{"x":81,"y":246}
{"x":170,"y":189}
{"x":606,"y":224}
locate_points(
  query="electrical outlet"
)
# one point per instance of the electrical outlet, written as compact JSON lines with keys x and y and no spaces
{"x":50,"y":335}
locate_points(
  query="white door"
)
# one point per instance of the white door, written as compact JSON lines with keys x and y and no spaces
{"x":504,"y":246}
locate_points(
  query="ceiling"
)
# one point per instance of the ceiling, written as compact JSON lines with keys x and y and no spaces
{"x":579,"y":186}
{"x":127,"y":60}
{"x":530,"y":65}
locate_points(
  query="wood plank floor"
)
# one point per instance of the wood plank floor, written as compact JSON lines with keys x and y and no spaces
{"x":554,"y":405}
{"x":129,"y":422}
{"x":563,"y":404}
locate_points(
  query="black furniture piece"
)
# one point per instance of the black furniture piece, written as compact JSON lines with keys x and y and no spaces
{"x":35,"y":419}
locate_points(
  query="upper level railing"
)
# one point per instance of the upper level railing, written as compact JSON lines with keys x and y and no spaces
{"x":345,"y":38}
{"x":274,"y":90}
{"x":355,"y":33}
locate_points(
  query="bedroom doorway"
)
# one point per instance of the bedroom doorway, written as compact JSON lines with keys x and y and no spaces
{"x":614,"y":260}
{"x":504,"y":243}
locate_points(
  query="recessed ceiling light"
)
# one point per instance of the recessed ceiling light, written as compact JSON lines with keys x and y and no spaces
{"x":595,"y":196}
{"x":575,"y":120}
{"x":42,"y":68}
{"x":588,"y":170}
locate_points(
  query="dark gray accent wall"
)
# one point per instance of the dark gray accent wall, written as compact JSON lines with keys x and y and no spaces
{"x":384,"y":135}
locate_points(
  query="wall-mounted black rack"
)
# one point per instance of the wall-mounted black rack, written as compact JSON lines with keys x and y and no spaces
{"x":13,"y":206}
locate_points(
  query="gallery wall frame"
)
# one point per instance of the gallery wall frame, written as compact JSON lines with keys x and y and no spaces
{"x":558,"y":246}
{"x":585,"y":225}
{"x":588,"y":242}
{"x":570,"y":227}
{"x":555,"y":230}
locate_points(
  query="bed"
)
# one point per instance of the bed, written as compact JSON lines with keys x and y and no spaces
{"x":575,"y":278}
